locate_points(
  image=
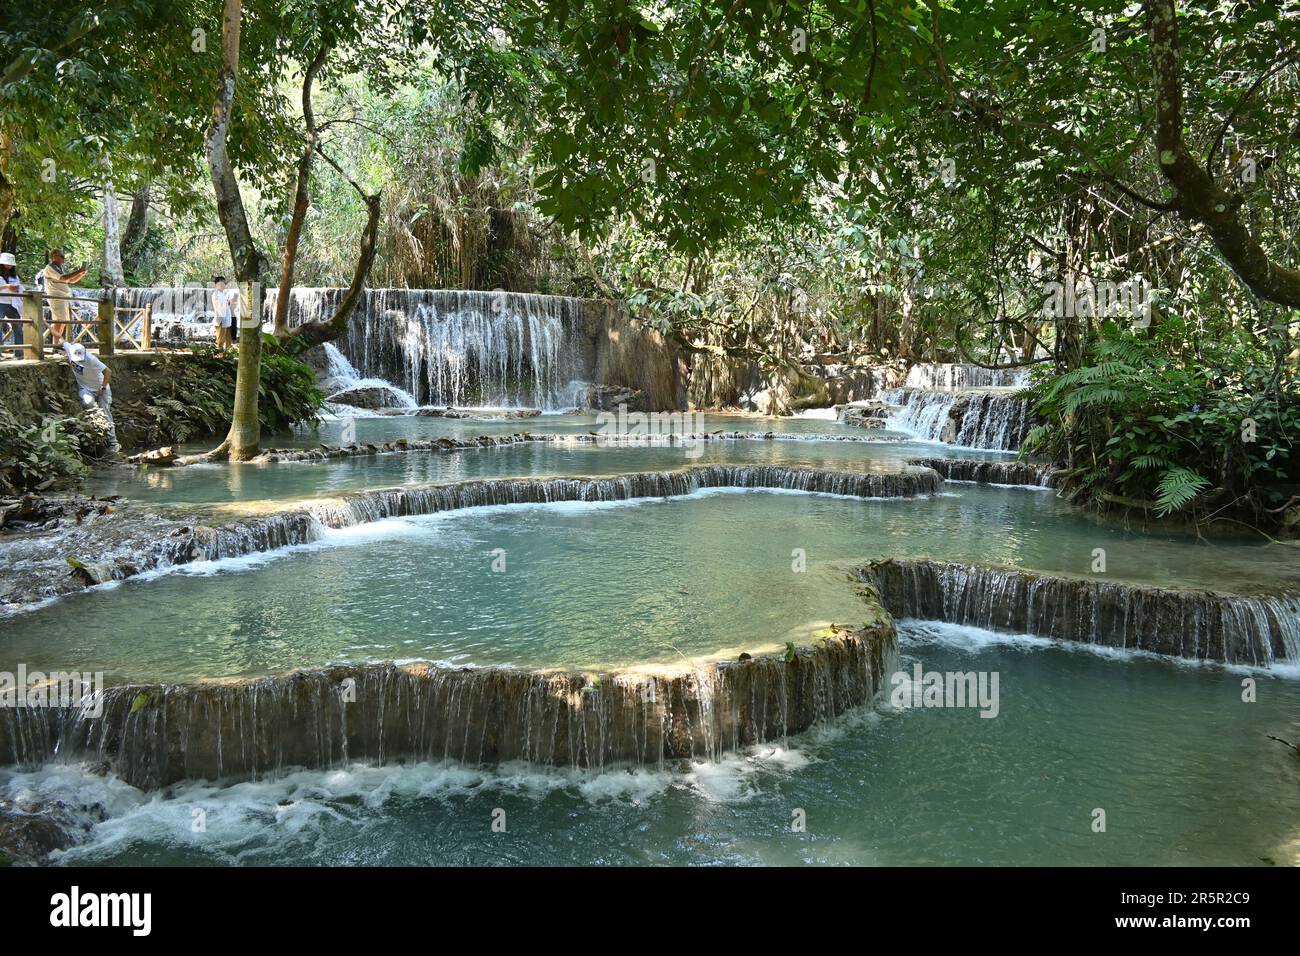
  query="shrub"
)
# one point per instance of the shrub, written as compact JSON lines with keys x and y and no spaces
{"x":1214,"y":430}
{"x":203,"y":394}
{"x":39,"y":456}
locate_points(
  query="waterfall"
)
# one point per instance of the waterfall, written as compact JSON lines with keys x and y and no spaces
{"x":991,"y":420}
{"x":180,"y":313}
{"x":949,"y":375}
{"x":341,"y":376}
{"x":1180,"y":622}
{"x":451,"y":347}
{"x":369,"y":506}
{"x":155,"y":735}
{"x":990,"y":472}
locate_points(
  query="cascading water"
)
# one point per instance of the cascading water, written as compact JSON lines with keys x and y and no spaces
{"x":990,"y":472}
{"x":151,"y":542}
{"x":975,"y":419}
{"x":451,"y":347}
{"x":1204,"y":625}
{"x":179,"y":313}
{"x":155,"y":735}
{"x":950,"y":375}
{"x":341,"y":376}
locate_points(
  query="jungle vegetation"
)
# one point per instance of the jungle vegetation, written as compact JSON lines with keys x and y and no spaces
{"x":876,"y":181}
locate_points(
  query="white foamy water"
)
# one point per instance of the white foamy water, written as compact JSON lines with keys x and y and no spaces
{"x":342,"y":376}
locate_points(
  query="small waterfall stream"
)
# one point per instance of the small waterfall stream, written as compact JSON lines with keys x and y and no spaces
{"x":972,"y":419}
{"x":1180,"y":622}
{"x":154,"y":735}
{"x":950,"y":375}
{"x":340,"y":376}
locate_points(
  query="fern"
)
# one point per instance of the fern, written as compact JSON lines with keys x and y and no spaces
{"x":1178,"y":487}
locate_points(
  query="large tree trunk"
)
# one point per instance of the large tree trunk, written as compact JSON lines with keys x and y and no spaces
{"x":245,"y":431}
{"x":137,"y":227}
{"x":112,"y":232}
{"x":1199,"y":196}
{"x":8,"y":195}
{"x":301,"y":196}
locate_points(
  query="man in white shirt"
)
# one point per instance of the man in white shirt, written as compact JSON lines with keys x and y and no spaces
{"x":58,"y":285}
{"x":224,"y":303}
{"x":93,"y":378}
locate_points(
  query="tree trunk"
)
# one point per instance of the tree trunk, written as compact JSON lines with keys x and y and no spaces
{"x":245,"y":426}
{"x":112,"y":232}
{"x":137,"y":227}
{"x":301,"y":196}
{"x":314,"y":333}
{"x":245,"y":432}
{"x":1200,"y":198}
{"x":8,"y":195}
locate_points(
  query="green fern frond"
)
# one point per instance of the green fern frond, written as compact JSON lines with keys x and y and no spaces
{"x":1177,"y":488}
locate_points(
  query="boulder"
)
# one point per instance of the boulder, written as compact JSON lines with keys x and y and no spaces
{"x":369,"y":397}
{"x":608,"y":398}
{"x":864,"y":415}
{"x":27,"y":839}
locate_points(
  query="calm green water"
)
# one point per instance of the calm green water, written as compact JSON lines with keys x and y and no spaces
{"x":1179,"y":764}
{"x":388,"y":428}
{"x":208,"y":484}
{"x":584,"y":585}
{"x":219,"y":484}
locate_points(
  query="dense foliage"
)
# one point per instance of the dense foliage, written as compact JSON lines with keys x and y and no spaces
{"x":1212,"y":435}
{"x":202,"y":393}
{"x":40,"y":455}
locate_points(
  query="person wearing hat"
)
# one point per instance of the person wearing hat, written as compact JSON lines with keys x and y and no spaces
{"x":58,"y":282}
{"x":10,"y":305}
{"x":93,"y":378}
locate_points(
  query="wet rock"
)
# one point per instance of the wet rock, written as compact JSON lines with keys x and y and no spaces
{"x":93,"y":572}
{"x":369,"y":397}
{"x":27,"y":839}
{"x":38,"y":512}
{"x":864,"y":415}
{"x":991,"y":472}
{"x":608,"y":398}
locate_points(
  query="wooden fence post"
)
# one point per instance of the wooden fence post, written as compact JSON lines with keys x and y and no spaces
{"x":106,"y":331}
{"x":34,"y":328}
{"x":146,"y":334}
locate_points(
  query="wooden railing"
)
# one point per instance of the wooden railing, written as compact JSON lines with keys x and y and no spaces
{"x":112,"y":327}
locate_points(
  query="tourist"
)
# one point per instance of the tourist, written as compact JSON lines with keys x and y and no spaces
{"x":10,"y":305}
{"x":58,"y":284}
{"x":93,"y":381}
{"x":232,"y":300}
{"x":223,"y":314}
